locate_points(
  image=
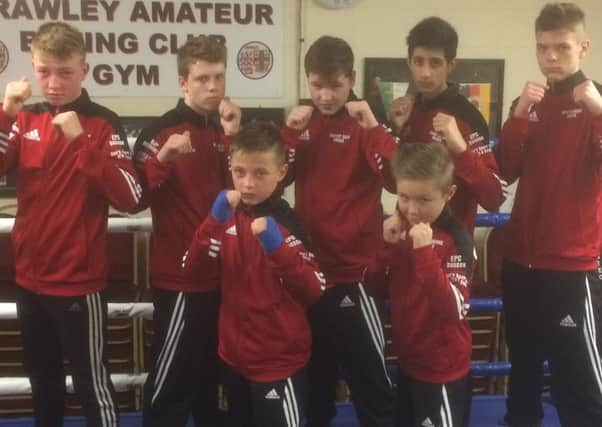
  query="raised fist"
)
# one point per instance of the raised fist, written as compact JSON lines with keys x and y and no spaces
{"x":361,"y":111}
{"x":532,"y":94}
{"x":229,"y":114}
{"x":68,"y":123}
{"x":15,"y":95}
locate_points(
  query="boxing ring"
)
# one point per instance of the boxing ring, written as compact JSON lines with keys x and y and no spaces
{"x":487,"y":410}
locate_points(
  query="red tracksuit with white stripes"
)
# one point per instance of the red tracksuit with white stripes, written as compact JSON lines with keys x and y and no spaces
{"x":476,"y":171}
{"x":339,"y":170}
{"x":264,"y":335}
{"x":63,"y":191}
{"x":429,"y":291}
{"x":551,"y":306}
{"x":184,"y":376}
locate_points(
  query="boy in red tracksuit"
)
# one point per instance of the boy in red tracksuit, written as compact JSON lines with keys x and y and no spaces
{"x":426,"y":265}
{"x":252,"y":242}
{"x":338,"y":156}
{"x":182,"y":160}
{"x":439,"y":113}
{"x":72,"y":161}
{"x":552,"y":143}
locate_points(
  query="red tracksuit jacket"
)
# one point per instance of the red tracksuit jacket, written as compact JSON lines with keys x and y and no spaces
{"x":429,"y":290}
{"x":556,"y":153}
{"x":63,"y":193}
{"x":263,"y":328}
{"x":180,"y":193}
{"x":475,"y":169}
{"x":339,"y":170}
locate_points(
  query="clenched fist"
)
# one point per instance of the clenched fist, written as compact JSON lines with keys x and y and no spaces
{"x":587,"y":94}
{"x":299,"y":117}
{"x":68,"y":123}
{"x":229,"y":114}
{"x":15,"y":95}
{"x":394,"y":229}
{"x":176,"y":144}
{"x":400,"y":111}
{"x":259,"y":225}
{"x":532,"y":94}
{"x":361,"y":111}
{"x":421,"y":235}
{"x":447,"y":126}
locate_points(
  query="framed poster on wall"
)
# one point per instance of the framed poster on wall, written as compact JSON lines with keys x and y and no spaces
{"x":480,"y":80}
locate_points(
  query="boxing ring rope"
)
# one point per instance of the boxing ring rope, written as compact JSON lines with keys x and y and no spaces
{"x":124,"y":382}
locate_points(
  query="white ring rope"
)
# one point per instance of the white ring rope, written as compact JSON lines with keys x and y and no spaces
{"x":117,"y":310}
{"x":21,"y":386}
{"x":116,"y":225}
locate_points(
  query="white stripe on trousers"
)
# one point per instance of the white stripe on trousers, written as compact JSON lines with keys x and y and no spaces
{"x":374,"y":326}
{"x":289,"y":403}
{"x":170,"y":346}
{"x":100,"y":377}
{"x":589,"y":330}
{"x":446,"y":416}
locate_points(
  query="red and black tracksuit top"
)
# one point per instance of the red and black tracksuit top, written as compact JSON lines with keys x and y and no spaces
{"x":556,"y":153}
{"x":339,"y":170}
{"x":180,"y":193}
{"x":429,"y":290}
{"x":63,"y":192}
{"x":476,"y":171}
{"x":263,"y":329}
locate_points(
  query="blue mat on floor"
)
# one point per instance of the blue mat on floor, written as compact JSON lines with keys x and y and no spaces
{"x":487,"y":411}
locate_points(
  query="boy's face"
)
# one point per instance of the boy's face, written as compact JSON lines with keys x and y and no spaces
{"x":421,"y":200}
{"x":60,"y":80}
{"x":430,"y":69}
{"x":256,"y":174}
{"x":205,"y":85}
{"x":330,"y":94}
{"x":559,"y":52}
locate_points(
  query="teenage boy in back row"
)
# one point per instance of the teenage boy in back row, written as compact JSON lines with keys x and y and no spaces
{"x":439,"y":113}
{"x":338,"y":156}
{"x":552,"y":141}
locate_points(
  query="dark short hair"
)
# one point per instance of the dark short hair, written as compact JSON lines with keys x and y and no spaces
{"x":201,"y":48}
{"x":559,"y":16}
{"x":328,"y":57}
{"x":259,"y":136}
{"x":433,"y":33}
{"x":424,"y":161}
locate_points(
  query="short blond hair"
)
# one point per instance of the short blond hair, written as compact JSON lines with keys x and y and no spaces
{"x":59,"y":40}
{"x":424,"y":161}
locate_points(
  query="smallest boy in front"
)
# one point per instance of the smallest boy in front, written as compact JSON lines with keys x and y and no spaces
{"x":251,"y":241}
{"x":428,"y":256}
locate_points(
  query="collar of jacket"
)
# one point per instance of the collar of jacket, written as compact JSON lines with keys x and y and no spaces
{"x":444,"y":218}
{"x":567,"y":84}
{"x":80,"y":104}
{"x":209,"y":118}
{"x":268,"y":207}
{"x":440,"y":100}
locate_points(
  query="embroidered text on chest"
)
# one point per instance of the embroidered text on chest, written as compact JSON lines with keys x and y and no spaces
{"x":339,"y":138}
{"x":572,"y":113}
